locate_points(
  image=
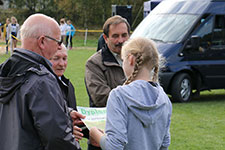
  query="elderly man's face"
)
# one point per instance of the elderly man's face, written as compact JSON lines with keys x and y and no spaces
{"x":118,"y":34}
{"x":59,"y":62}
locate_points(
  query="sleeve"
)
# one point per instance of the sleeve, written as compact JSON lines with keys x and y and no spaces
{"x":167,"y":139}
{"x":96,"y":83}
{"x":50,"y":115}
{"x":4,"y":30}
{"x":18,"y":30}
{"x":8,"y":32}
{"x":116,"y":123}
{"x":74,"y":30}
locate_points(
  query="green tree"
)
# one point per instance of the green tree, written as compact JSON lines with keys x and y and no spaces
{"x":83,"y":13}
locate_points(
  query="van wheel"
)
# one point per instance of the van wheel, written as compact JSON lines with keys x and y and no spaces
{"x":181,"y":89}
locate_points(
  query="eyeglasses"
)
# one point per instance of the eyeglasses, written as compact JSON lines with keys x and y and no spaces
{"x":59,"y":42}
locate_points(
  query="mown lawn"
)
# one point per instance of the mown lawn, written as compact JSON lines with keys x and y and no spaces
{"x":197,"y":125}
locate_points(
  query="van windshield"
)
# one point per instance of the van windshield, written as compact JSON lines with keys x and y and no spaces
{"x":165,"y":27}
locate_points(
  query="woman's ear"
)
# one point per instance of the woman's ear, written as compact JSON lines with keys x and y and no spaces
{"x":131,"y":60}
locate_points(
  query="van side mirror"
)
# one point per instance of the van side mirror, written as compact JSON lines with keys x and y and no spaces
{"x":195,"y":41}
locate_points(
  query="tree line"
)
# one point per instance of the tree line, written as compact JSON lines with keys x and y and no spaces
{"x":83,"y":13}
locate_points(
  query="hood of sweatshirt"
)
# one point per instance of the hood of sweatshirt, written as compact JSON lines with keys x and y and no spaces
{"x":145,"y":100}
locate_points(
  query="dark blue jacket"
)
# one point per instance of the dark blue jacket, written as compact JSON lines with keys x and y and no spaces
{"x":33,"y":111}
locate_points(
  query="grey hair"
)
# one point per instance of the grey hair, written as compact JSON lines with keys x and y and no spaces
{"x":34,"y":30}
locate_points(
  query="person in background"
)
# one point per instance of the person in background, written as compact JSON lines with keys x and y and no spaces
{"x":101,"y":42}
{"x":1,"y":30}
{"x":59,"y":65}
{"x":63,"y":28}
{"x":13,"y":29}
{"x":34,"y":114}
{"x":139,"y":112}
{"x":103,"y":70}
{"x":69,"y":34}
{"x":5,"y":33}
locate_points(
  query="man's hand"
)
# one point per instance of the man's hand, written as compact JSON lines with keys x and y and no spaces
{"x":76,"y":117}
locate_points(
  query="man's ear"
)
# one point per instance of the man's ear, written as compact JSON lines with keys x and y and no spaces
{"x":41,"y":42}
{"x":105,"y":38}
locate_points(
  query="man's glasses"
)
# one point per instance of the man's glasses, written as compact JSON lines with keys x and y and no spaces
{"x":59,"y":42}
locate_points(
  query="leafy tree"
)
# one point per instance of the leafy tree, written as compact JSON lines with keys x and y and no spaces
{"x":83,"y":13}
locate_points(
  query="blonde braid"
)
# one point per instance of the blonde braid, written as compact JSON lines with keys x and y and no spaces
{"x":137,"y":67}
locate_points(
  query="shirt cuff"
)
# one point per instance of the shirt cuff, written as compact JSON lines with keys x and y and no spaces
{"x":103,"y":142}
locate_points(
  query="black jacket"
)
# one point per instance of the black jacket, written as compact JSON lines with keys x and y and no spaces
{"x":33,"y":112}
{"x":69,"y":91}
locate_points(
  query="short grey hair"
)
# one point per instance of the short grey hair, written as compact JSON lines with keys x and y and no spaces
{"x":33,"y":30}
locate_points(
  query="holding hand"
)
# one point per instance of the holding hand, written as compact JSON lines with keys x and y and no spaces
{"x":76,"y":117}
{"x":95,"y":136}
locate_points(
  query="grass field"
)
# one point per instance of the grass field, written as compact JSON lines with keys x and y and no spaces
{"x":197,"y":125}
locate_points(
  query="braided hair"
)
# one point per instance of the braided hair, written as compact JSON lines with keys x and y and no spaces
{"x":146,"y":55}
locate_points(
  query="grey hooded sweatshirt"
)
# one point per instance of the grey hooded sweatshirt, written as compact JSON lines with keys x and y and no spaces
{"x":138,"y":118}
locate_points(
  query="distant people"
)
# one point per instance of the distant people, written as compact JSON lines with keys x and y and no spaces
{"x":63,"y":28}
{"x":104,"y":69}
{"x":13,"y":29}
{"x":1,"y":30}
{"x":34,"y":114}
{"x":69,"y":34}
{"x":5,"y":33}
{"x":101,"y":42}
{"x":139,"y":112}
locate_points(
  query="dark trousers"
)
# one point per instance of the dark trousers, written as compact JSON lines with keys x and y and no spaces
{"x":91,"y":147}
{"x":6,"y":41}
{"x":67,"y":41}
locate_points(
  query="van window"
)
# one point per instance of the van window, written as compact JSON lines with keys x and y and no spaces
{"x":165,"y":27}
{"x":211,"y":30}
{"x":205,"y":32}
{"x":218,"y":39}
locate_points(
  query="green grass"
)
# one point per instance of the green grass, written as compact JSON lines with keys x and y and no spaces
{"x":76,"y":70}
{"x":91,"y":41}
{"x":197,"y":125}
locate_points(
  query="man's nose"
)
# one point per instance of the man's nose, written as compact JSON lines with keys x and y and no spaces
{"x":61,"y":62}
{"x":121,"y":39}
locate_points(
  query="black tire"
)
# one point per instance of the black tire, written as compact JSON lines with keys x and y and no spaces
{"x":181,"y":89}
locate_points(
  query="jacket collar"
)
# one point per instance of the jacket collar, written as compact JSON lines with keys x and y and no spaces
{"x":107,"y":57}
{"x":32,"y":56}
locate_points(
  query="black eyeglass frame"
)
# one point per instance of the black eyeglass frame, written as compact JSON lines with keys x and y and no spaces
{"x":51,"y":38}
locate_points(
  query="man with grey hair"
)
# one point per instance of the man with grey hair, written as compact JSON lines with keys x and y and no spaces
{"x":33,"y":112}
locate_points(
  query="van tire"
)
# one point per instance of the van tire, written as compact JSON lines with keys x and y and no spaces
{"x":181,"y":89}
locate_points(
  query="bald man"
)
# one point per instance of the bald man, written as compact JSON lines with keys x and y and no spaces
{"x":33,"y":111}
